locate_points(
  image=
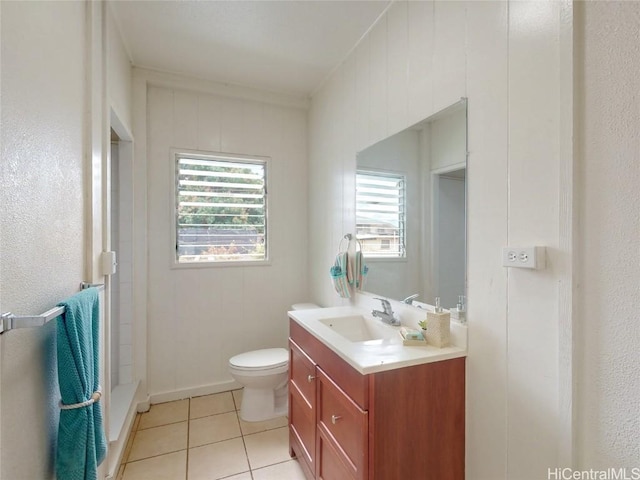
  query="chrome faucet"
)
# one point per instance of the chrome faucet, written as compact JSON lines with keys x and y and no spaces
{"x":409,"y":299}
{"x":387,"y":315}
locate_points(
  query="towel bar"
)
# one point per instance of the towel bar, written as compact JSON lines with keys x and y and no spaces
{"x":9,"y":321}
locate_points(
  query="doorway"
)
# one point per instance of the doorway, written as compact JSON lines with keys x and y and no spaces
{"x":450,"y":235}
{"x":122,"y":376}
{"x":121,"y":286}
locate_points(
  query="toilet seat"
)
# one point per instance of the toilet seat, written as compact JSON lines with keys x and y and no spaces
{"x":260,"y":360}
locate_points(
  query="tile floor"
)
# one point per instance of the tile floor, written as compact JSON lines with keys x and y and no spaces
{"x":203,"y":438}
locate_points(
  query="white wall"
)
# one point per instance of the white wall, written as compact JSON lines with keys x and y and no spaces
{"x":42,"y":215}
{"x":448,"y":140}
{"x":608,"y":175}
{"x":199,"y":317}
{"x":118,"y":72}
{"x":509,"y":60}
{"x":54,"y":135}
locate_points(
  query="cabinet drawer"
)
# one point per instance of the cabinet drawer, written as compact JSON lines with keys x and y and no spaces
{"x":302,"y":406}
{"x":344,"y":424}
{"x":302,"y":373}
{"x":302,"y":429}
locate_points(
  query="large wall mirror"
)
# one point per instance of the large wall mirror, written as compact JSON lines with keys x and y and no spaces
{"x":411,"y":210}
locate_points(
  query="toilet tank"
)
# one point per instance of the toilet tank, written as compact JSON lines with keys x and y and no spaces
{"x":303,"y":306}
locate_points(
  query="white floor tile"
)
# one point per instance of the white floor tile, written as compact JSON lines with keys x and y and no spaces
{"x":172,"y":466}
{"x":214,"y":428}
{"x":165,"y":413}
{"x":158,"y":441}
{"x":242,"y":476}
{"x":217,"y":460}
{"x":211,"y":405}
{"x":249,"y":428}
{"x":268,"y":448}
{"x":290,"y":470}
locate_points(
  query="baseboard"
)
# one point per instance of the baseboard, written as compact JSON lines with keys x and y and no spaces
{"x":199,"y":391}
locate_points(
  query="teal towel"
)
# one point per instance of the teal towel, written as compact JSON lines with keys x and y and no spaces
{"x":81,"y":440}
{"x":339,"y":276}
{"x":361,"y":271}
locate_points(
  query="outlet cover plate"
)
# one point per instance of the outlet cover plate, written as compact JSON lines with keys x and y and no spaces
{"x":524,"y":257}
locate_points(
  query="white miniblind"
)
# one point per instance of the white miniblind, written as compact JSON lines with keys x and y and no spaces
{"x":380,"y":213}
{"x":221,"y":209}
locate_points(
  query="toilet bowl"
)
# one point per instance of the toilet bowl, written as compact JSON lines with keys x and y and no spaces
{"x":264,"y":375}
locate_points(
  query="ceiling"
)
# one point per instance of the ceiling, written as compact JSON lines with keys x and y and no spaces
{"x":281,"y":46}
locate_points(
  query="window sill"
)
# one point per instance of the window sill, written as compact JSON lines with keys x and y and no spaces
{"x":242,"y":263}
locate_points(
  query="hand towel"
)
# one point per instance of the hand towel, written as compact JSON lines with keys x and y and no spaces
{"x":361,"y":270}
{"x":339,"y":275}
{"x":81,"y":440}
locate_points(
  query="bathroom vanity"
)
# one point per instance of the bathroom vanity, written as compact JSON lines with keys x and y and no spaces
{"x":363,"y":406}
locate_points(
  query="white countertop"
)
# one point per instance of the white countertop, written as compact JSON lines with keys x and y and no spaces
{"x":374,"y":355}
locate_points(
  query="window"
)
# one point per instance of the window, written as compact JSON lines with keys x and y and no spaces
{"x":380,"y":213}
{"x":221,"y":208}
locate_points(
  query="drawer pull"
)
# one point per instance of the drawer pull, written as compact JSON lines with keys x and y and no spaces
{"x":335,"y":418}
{"x":310,"y":378}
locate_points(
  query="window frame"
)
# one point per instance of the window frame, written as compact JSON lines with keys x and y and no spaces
{"x":175,"y":155}
{"x":402,"y":257}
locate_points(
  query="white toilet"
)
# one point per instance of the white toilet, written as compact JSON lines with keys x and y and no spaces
{"x":264,"y":375}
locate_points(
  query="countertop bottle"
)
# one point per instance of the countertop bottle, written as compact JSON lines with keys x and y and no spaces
{"x":438,"y":325}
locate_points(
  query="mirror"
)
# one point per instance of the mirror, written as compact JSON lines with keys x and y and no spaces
{"x":411,"y":210}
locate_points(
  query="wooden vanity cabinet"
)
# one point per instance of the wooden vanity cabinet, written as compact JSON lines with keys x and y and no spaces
{"x":406,"y":423}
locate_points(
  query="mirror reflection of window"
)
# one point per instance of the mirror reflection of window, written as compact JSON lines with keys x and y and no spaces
{"x":427,"y":255}
{"x":380,"y":213}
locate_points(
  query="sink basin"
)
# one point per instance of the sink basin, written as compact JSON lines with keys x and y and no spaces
{"x":357,"y":328}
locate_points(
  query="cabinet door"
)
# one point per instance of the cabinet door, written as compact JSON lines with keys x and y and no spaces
{"x":302,"y":407}
{"x":342,"y":431}
{"x":332,"y":462}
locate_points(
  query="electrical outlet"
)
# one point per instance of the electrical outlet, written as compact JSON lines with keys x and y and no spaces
{"x":523,"y":257}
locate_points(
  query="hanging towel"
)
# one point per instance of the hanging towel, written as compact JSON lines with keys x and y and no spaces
{"x":81,"y":440}
{"x":361,"y":271}
{"x":339,"y":275}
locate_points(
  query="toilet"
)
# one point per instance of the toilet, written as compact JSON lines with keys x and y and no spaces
{"x":264,"y":375}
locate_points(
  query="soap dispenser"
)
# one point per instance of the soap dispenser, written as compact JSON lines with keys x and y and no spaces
{"x":460,"y":312}
{"x":438,"y":323}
